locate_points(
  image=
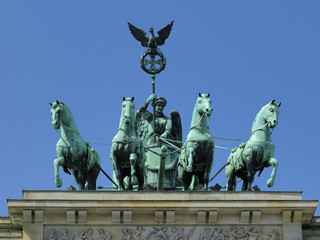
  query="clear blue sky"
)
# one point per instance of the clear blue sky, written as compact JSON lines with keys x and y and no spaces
{"x":245,"y":53}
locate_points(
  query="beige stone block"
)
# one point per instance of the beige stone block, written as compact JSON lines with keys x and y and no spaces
{"x":116,"y":216}
{"x":170,"y":217}
{"x":292,"y":231}
{"x":286,"y":216}
{"x":127,"y":216}
{"x":32,"y":231}
{"x":297,"y":216}
{"x":71,"y":216}
{"x":83,"y":216}
{"x":256,"y":215}
{"x":38,"y":216}
{"x":201,"y":216}
{"x":245,"y":216}
{"x":27,"y":216}
{"x":213,"y":216}
{"x":158,"y":216}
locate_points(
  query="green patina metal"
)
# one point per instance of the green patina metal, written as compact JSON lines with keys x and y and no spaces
{"x":256,"y":154}
{"x":196,"y":159}
{"x":72,"y":151}
{"x":127,"y":156}
{"x":147,"y":151}
{"x":151,"y":129}
{"x":156,"y":58}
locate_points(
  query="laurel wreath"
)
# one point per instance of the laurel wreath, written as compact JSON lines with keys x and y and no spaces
{"x":158,"y":70}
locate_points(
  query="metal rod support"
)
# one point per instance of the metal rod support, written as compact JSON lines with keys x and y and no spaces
{"x":108,"y":176}
{"x":219,"y":171}
{"x":154,"y":106}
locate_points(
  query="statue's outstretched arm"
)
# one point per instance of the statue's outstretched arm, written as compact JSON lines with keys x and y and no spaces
{"x":144,"y":106}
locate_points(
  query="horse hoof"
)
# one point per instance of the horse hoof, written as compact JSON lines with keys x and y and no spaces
{"x":58,"y":182}
{"x":189,"y":168}
{"x":133,"y":156}
{"x":134,"y":180}
{"x":270,"y":183}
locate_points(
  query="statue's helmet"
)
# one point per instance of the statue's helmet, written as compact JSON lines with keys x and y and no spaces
{"x":160,"y":100}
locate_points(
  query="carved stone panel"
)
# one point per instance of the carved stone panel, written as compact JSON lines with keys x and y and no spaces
{"x":163,"y":233}
{"x":76,"y":233}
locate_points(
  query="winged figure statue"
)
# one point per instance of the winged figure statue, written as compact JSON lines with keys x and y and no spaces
{"x":168,"y":128}
{"x":151,"y":42}
{"x":168,"y":133}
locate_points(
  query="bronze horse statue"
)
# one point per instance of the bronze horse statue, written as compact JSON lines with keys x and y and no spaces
{"x":72,"y":151}
{"x":126,"y":153}
{"x":256,"y":154}
{"x":196,"y":158}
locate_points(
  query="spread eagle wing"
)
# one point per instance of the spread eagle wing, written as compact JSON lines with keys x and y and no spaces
{"x":164,"y":33}
{"x":176,"y":130}
{"x":139,"y":34}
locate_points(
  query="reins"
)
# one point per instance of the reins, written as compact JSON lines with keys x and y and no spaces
{"x":70,"y":129}
{"x":192,"y":127}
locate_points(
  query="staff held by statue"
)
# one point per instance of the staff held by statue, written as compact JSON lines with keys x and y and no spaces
{"x":152,"y":57}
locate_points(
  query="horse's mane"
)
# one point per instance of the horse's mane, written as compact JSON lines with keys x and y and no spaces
{"x":193,"y":120}
{"x":68,"y":116}
{"x":255,"y":120}
{"x":67,"y":109}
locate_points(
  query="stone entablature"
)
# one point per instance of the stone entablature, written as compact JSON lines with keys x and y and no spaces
{"x":8,"y":230}
{"x":170,"y":214}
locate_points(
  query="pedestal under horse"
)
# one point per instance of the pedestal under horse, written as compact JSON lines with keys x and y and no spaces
{"x":72,"y":151}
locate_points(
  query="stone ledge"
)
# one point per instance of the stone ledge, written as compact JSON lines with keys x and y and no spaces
{"x":90,"y":207}
{"x":161,"y":195}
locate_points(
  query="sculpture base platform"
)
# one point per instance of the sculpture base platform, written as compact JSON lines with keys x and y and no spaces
{"x":55,"y":215}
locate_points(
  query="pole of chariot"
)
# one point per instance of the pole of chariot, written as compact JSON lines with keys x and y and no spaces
{"x":154,"y":107}
{"x":162,"y":168}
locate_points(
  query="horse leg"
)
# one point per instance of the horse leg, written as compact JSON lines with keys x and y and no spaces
{"x":194,"y":182}
{"x":250,"y":174}
{"x":190,"y":155}
{"x":133,"y":160}
{"x":117,"y":172}
{"x":231,"y":176}
{"x":92,"y":177}
{"x":180,"y":176}
{"x":56,"y":163}
{"x":140,"y":166}
{"x":207,"y":170}
{"x":75,"y":174}
{"x":120,"y":180}
{"x":272,"y":162}
{"x":244,"y":184}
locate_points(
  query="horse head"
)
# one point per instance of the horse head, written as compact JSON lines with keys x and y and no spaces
{"x":270,"y":113}
{"x":128,"y":112}
{"x":203,"y":105}
{"x":57,"y":113}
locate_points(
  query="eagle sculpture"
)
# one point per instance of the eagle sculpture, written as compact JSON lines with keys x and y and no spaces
{"x":152,"y":42}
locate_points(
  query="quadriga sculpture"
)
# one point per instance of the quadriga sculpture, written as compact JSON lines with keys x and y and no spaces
{"x":196,"y":158}
{"x":126,"y":154}
{"x":72,"y":151}
{"x":256,"y":154}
